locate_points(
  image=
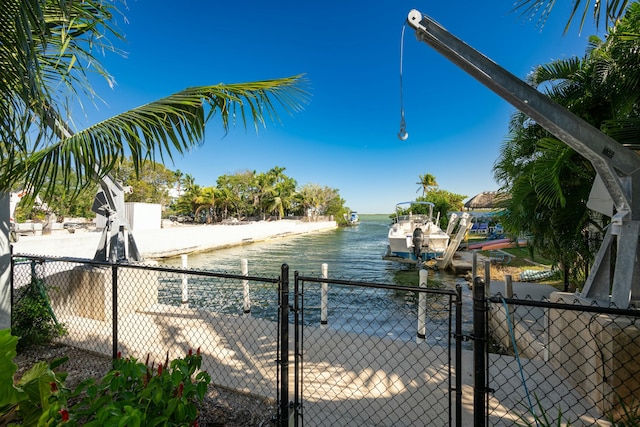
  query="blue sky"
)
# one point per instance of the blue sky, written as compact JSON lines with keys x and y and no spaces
{"x":349,"y":51}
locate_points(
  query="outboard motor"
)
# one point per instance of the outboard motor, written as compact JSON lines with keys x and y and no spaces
{"x":418,"y":239}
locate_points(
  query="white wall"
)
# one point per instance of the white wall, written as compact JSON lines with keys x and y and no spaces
{"x":143,"y":216}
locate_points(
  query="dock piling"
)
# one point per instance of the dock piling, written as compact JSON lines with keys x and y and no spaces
{"x":324,"y":295}
{"x":246,"y":306}
{"x":185,"y":281}
{"x":422,"y":307}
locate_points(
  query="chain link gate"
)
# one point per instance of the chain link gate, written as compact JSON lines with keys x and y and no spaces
{"x":555,"y":361}
{"x":389,"y":362}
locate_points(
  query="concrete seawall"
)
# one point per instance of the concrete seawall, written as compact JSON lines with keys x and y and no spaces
{"x":170,"y":241}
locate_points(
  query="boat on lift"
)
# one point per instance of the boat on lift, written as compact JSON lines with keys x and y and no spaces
{"x":415,"y":237}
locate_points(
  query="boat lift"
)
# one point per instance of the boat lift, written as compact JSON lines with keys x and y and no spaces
{"x":617,"y":167}
{"x":116,"y":243}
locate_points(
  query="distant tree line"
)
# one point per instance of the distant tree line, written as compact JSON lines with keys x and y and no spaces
{"x":244,"y":194}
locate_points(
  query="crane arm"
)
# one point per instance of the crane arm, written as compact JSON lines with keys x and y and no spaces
{"x":611,"y":160}
{"x":618,"y":167}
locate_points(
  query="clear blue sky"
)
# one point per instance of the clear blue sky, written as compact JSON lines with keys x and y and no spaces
{"x":345,"y":138}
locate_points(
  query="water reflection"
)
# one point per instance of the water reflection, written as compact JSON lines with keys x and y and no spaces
{"x":351,"y":253}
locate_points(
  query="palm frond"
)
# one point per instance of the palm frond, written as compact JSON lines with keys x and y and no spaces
{"x":540,"y":10}
{"x":157,"y":130}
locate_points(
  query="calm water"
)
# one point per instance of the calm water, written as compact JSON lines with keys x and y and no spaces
{"x":352,"y":253}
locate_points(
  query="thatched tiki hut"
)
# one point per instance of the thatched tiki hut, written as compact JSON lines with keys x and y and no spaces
{"x":486,"y":200}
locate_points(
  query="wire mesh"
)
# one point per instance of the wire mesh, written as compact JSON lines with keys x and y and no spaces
{"x":564,"y":360}
{"x":361,"y":360}
{"x":163,"y":313}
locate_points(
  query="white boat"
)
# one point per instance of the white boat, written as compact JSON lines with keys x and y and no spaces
{"x":416,"y":237}
{"x":352,"y":219}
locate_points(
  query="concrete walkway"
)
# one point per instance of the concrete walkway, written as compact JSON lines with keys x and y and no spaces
{"x":348,"y":379}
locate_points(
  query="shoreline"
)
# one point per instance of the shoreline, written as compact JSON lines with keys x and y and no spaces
{"x":171,"y":241}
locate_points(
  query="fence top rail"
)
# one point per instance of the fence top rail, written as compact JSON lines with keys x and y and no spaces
{"x":142,"y":266}
{"x":365,"y":284}
{"x":499,"y":299}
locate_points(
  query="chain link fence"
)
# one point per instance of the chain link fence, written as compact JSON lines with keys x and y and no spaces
{"x":363,"y":353}
{"x":563,"y":360}
{"x":373,"y":354}
{"x":148,"y":311}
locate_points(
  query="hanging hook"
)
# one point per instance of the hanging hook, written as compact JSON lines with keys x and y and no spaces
{"x":402,"y":135}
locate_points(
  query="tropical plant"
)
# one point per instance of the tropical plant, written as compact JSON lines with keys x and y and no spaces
{"x":46,"y":53}
{"x":33,"y":320}
{"x":150,"y":184}
{"x":313,"y":200}
{"x":426,"y":182}
{"x":131,"y":393}
{"x":29,"y":400}
{"x":136,"y":393}
{"x":549,"y":182}
{"x":612,"y":10}
{"x":444,"y":203}
{"x":205,"y":204}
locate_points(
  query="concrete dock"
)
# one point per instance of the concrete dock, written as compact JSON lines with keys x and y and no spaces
{"x":348,"y":379}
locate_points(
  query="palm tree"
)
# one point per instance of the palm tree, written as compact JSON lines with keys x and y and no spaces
{"x":426,"y":183}
{"x":613,"y":10}
{"x":46,"y":53}
{"x":206,"y":201}
{"x":549,"y":182}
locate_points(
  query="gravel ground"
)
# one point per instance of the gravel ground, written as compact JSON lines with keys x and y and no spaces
{"x":221,"y":407}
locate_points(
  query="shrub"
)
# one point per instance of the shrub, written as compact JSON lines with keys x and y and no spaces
{"x":33,"y":320}
{"x":136,"y":394}
{"x":131,"y":394}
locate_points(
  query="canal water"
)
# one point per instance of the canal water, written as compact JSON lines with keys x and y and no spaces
{"x":351,"y":253}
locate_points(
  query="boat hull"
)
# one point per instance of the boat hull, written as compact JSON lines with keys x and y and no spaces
{"x":401,"y":245}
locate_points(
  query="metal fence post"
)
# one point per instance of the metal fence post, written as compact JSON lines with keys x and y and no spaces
{"x":284,"y":346}
{"x":114,"y":308}
{"x":479,"y":352}
{"x":297,"y":349}
{"x":458,"y":355}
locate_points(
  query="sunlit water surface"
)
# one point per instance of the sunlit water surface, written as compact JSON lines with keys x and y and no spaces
{"x":351,"y":253}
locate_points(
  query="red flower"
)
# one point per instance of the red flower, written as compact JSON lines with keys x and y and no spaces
{"x":190,"y":352}
{"x":54,"y":387}
{"x":64,"y":414}
{"x":159,"y":369}
{"x":119,"y":355}
{"x":179,"y":390}
{"x":198,"y":351}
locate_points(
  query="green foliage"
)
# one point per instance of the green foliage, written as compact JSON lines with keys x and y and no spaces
{"x":150,"y":183}
{"x":131,"y":394}
{"x":627,"y":415}
{"x":29,"y":401}
{"x":444,"y":202}
{"x":541,"y":419}
{"x":8,"y":393}
{"x":549,"y":183}
{"x":33,"y":319}
{"x":136,"y":394}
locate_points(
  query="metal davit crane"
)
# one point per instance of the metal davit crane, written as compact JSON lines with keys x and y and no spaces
{"x":616,"y":166}
{"x":116,"y":243}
